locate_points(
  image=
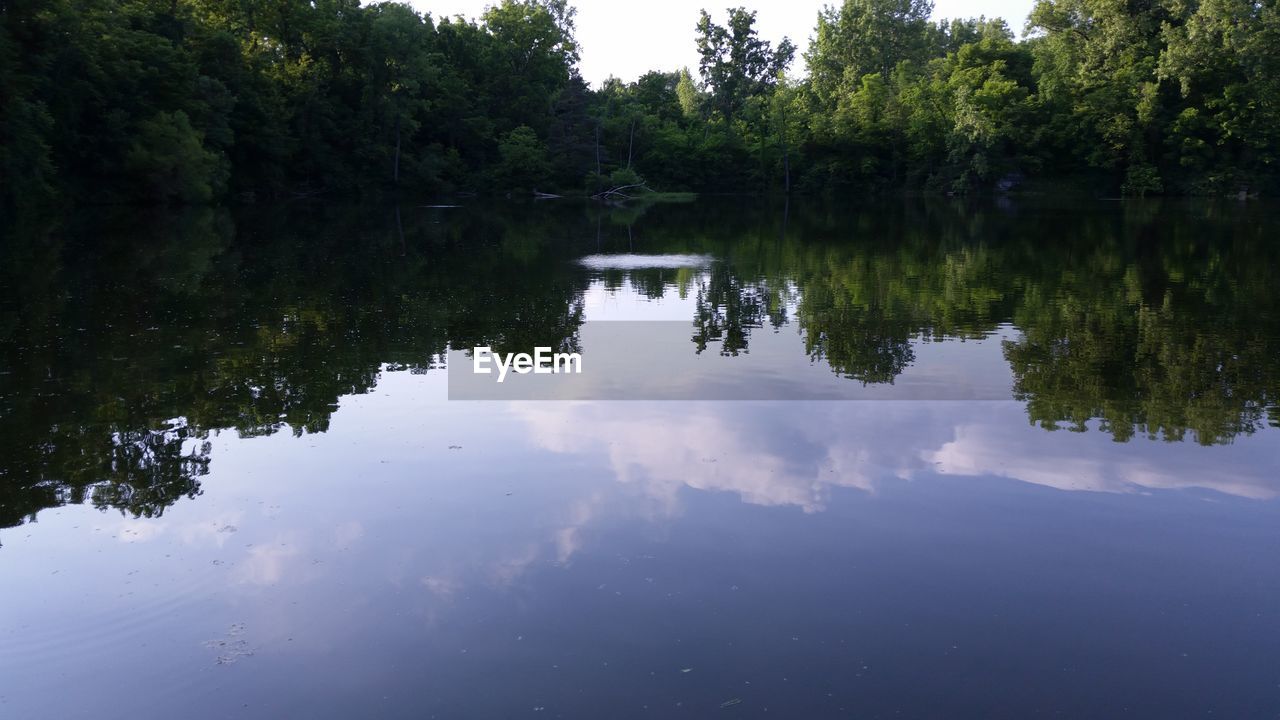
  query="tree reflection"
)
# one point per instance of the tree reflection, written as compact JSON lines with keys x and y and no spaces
{"x":1173,"y":330}
{"x":1152,"y":319}
{"x":730,"y":306}
{"x":126,"y":342}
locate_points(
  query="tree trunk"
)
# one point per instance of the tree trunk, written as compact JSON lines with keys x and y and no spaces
{"x":786,"y":155}
{"x":400,"y":229}
{"x":395,"y":171}
{"x":632,"y":143}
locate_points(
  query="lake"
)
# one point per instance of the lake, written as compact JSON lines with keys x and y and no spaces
{"x":909,"y":459}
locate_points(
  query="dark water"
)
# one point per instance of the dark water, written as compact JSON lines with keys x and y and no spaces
{"x":232,"y":483}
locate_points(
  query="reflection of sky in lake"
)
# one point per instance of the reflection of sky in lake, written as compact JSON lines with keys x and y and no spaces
{"x":624,"y":303}
{"x":486,"y":559}
{"x":407,"y":556}
{"x":633,"y":261}
{"x":637,"y":347}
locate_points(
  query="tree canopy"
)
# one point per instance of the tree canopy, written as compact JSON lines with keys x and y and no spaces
{"x":191,"y":101}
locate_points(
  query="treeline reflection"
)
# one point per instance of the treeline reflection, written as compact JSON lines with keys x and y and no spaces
{"x":126,"y":341}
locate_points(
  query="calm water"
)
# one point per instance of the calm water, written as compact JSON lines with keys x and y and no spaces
{"x":232,"y":482}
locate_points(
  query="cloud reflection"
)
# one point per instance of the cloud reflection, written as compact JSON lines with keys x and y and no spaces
{"x":1081,"y":463}
{"x":794,"y":454}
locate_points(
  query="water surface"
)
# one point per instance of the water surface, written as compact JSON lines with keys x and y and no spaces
{"x":232,"y":482}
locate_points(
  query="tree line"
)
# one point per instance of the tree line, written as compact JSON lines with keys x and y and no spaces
{"x":187,"y":101}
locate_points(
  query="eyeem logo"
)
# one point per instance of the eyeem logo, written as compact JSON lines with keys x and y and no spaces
{"x":542,"y":362}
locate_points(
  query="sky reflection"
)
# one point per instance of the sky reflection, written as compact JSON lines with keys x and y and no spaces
{"x":422,"y":533}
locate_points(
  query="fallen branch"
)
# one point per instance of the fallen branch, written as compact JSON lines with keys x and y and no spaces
{"x":617,"y":192}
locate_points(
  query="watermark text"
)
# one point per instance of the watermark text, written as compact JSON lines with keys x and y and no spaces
{"x":543,"y":361}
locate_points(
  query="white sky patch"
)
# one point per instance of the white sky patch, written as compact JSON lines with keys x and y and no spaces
{"x":703,"y":449}
{"x":626,"y":40}
{"x":136,"y":530}
{"x":630,"y":261}
{"x":626,"y":303}
{"x":347,"y":533}
{"x":1092,"y":462}
{"x":720,"y":448}
{"x":268,"y":563}
{"x":214,"y":531}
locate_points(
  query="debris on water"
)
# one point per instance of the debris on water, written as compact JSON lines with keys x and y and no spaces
{"x":233,"y":647}
{"x":455,"y":447}
{"x":227,"y":529}
{"x":731,"y":703}
{"x":687,"y":670}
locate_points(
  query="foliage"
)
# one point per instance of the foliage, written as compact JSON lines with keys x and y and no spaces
{"x":524,"y":164}
{"x":865,"y":37}
{"x":735,"y":63}
{"x":187,"y":101}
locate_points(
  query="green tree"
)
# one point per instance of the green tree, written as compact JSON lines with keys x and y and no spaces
{"x":524,"y":164}
{"x":689,"y":96}
{"x":168,"y":161}
{"x":862,"y":37}
{"x":735,"y":63}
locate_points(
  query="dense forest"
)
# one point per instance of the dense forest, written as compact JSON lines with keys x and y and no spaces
{"x":187,"y":101}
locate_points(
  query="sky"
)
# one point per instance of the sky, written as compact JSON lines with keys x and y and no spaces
{"x":628,"y":39}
